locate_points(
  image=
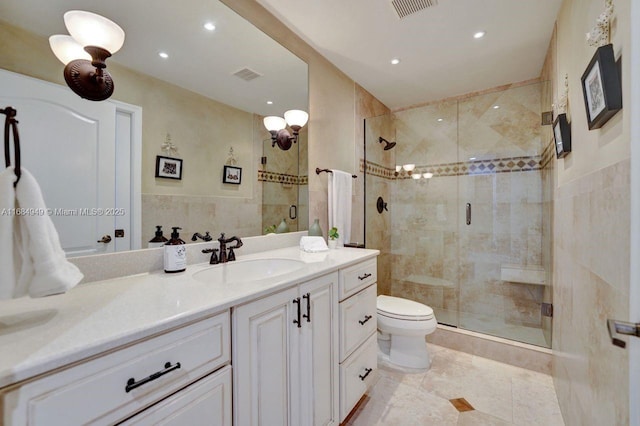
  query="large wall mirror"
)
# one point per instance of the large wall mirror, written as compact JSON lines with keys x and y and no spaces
{"x":203,"y":104}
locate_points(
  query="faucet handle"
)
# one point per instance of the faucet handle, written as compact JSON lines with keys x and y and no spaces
{"x":232,"y":256}
{"x":214,"y":256}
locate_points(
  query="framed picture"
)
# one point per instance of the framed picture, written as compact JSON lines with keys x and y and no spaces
{"x":562,"y":135}
{"x":167,"y":167}
{"x":232,"y":174}
{"x":601,"y":87}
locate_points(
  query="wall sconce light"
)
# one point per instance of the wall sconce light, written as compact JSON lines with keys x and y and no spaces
{"x":295,"y":118}
{"x":409,"y":168}
{"x":93,"y":39}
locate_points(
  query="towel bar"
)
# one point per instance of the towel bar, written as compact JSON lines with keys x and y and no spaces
{"x":319,"y":170}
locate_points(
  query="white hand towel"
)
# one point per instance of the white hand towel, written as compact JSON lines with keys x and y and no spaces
{"x":340,"y":190}
{"x":7,"y":204}
{"x":313,"y":244}
{"x":45,"y":269}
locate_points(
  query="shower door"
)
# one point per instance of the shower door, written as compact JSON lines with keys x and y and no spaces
{"x":502,"y":280}
{"x":466,"y":231}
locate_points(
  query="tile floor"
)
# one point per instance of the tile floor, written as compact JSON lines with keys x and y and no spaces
{"x":499,"y":393}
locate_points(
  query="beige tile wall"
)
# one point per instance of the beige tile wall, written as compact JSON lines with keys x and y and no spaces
{"x":591,"y":232}
{"x":378,"y":225}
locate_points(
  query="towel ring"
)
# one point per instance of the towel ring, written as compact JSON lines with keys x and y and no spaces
{"x":11,"y":123}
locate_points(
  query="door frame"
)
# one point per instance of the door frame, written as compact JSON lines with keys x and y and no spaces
{"x":634,"y":254}
{"x":135,"y":159}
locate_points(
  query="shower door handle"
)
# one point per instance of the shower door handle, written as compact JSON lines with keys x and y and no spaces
{"x":468,"y":213}
{"x":293,"y":212}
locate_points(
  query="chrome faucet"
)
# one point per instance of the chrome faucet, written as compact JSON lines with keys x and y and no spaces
{"x":224,"y":257}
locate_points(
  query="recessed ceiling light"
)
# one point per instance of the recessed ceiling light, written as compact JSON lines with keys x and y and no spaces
{"x":479,"y":34}
{"x":395,"y":61}
{"x":472,"y":158}
{"x":440,"y":119}
{"x":209,"y":26}
{"x":496,"y":106}
{"x":163,"y":55}
{"x":269,"y":102}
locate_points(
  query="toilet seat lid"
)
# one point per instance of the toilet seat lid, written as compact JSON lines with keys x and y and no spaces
{"x":396,"y":307}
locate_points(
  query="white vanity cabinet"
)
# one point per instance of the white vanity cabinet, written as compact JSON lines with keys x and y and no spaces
{"x":285,"y":356}
{"x":113,"y":387}
{"x":358,"y":339}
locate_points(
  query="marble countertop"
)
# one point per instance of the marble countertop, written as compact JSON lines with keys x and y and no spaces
{"x":39,"y":335}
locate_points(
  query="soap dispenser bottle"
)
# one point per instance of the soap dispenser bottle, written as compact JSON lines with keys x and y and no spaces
{"x":159,"y":240}
{"x":175,"y":253}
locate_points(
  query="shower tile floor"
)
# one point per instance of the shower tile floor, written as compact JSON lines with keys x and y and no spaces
{"x":500,"y":394}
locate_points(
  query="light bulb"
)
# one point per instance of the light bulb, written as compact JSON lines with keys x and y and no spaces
{"x":427,"y":175}
{"x":398,"y":168}
{"x":408,"y":167}
{"x":416,"y":176}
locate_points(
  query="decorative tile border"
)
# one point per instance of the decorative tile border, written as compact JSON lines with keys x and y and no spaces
{"x":475,"y":167}
{"x":287,"y":179}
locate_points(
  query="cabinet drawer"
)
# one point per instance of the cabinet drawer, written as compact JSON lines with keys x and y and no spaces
{"x":95,"y":391}
{"x":357,"y":374}
{"x":206,"y":402}
{"x":357,"y":277}
{"x":357,"y":320}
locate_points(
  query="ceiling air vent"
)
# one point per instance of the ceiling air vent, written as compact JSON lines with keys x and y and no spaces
{"x":405,"y":8}
{"x":247,"y":74}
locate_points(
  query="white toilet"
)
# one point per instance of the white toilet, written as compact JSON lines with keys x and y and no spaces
{"x":402,"y":327}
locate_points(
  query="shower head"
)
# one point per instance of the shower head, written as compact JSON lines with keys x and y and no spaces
{"x":388,"y":145}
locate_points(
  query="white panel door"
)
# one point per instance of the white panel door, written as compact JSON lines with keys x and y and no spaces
{"x":319,"y":352}
{"x":263,"y":364}
{"x":68,"y":144}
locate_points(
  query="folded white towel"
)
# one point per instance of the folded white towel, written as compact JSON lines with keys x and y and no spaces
{"x":313,"y":244}
{"x":44,"y":269}
{"x":7,"y":204}
{"x":340,"y":190}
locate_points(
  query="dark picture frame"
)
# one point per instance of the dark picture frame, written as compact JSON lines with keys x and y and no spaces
{"x":232,"y":174}
{"x":562,"y":135}
{"x":168,"y":167}
{"x":601,"y":87}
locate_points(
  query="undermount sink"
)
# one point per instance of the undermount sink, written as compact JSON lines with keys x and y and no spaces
{"x":244,"y":271}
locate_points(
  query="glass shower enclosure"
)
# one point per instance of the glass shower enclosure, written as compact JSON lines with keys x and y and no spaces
{"x":465,"y":231}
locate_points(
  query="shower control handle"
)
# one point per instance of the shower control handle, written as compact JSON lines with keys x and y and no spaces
{"x":468,"y":213}
{"x":367,"y":372}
